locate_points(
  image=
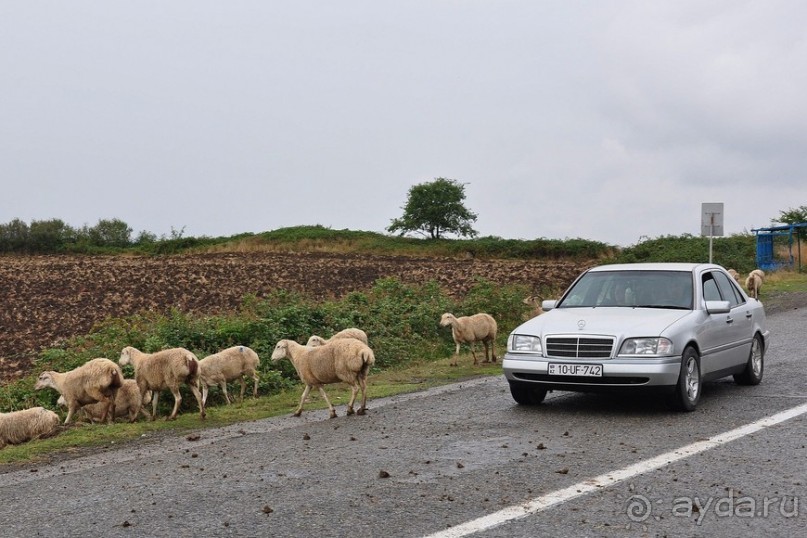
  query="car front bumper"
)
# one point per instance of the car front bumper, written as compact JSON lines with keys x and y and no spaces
{"x":616,"y":374}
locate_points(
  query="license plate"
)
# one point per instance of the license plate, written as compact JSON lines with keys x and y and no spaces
{"x":592,"y":370}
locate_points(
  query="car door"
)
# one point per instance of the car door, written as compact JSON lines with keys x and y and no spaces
{"x":741,"y":324}
{"x":723,"y":337}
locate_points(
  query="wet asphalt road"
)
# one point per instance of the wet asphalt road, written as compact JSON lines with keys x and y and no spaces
{"x":419,"y":464}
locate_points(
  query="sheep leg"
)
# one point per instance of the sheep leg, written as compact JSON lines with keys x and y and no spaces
{"x":243,"y":387}
{"x":473,"y":353}
{"x":205,"y":390}
{"x":198,"y":395}
{"x":72,"y":407}
{"x":177,"y":401}
{"x":299,"y":410}
{"x":223,"y":386}
{"x":155,"y":396}
{"x":363,"y":384}
{"x":354,"y":389}
{"x":456,"y":356}
{"x":108,"y":401}
{"x":492,"y":352}
{"x":255,"y":385}
{"x":325,"y":397}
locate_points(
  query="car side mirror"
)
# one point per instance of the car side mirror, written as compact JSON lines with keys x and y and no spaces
{"x":718,"y":307}
{"x":548,"y":304}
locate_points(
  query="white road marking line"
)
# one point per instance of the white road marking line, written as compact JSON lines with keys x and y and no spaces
{"x":609,"y":479}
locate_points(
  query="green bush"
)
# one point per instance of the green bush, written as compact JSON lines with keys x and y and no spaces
{"x":402,"y":322}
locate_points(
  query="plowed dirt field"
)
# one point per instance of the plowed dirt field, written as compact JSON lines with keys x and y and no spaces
{"x":45,"y":298}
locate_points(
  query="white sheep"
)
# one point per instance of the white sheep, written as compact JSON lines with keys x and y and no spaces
{"x":352,"y":332}
{"x":166,"y":369}
{"x":533,"y":301}
{"x":753,"y":283}
{"x":233,"y":363}
{"x":343,"y":360}
{"x":470,"y":329}
{"x":97,"y":380}
{"x":26,"y":425}
{"x":128,"y":403}
{"x":734,"y":274}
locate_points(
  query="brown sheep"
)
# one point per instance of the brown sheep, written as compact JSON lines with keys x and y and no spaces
{"x":97,"y":380}
{"x":470,"y":329}
{"x":753,"y":283}
{"x":344,"y":359}
{"x":166,"y":369}
{"x":21,"y":426}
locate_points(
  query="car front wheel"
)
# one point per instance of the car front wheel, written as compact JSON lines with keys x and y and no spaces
{"x":688,"y":391}
{"x":752,"y":375}
{"x":527,"y":393}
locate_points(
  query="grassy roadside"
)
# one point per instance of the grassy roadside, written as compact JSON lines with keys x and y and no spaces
{"x":76,"y":439}
{"x":781,"y":291}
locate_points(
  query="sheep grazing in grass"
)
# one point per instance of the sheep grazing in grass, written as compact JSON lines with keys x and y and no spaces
{"x":734,"y":274}
{"x":344,"y":360}
{"x":97,"y":380}
{"x":128,"y":403}
{"x":352,"y":332}
{"x":166,"y":369}
{"x":753,"y":283}
{"x":534,"y":302}
{"x":237,"y":362}
{"x":470,"y":329}
{"x":21,"y":426}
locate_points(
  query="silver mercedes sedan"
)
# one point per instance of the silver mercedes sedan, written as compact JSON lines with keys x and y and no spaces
{"x":668,"y":327}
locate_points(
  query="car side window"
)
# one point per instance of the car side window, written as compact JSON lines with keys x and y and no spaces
{"x":727,"y":289}
{"x":710,"y":291}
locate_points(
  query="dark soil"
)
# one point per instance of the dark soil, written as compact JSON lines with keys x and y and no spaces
{"x":49,"y":298}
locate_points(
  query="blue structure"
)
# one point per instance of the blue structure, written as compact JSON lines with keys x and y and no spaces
{"x":765,"y":237}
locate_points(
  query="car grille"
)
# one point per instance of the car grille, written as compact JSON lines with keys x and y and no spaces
{"x":576,"y":347}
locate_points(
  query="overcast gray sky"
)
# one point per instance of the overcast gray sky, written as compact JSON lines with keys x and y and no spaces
{"x":604,"y":120}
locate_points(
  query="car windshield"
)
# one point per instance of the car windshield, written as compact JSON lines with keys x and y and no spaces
{"x":632,"y":289}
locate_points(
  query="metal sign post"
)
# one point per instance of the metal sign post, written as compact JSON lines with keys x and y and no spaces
{"x":711,"y":222}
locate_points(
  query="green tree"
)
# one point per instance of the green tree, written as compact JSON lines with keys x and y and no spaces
{"x":795,"y":216}
{"x":50,"y":235}
{"x":110,"y":233}
{"x":14,"y":236}
{"x":434,"y":209}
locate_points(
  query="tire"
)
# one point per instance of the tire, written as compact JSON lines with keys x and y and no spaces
{"x":688,"y":390}
{"x":527,"y":393}
{"x":755,"y":367}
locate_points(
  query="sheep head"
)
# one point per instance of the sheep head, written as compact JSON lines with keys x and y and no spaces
{"x":447,"y":319}
{"x":45,"y":381}
{"x":316,"y":341}
{"x":125,"y":356}
{"x":281,"y":351}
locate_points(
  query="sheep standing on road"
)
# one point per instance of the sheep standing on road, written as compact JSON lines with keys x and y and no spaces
{"x":128,"y":403}
{"x":97,"y":380}
{"x":233,"y":363}
{"x":470,"y":329}
{"x":166,"y":369}
{"x":352,"y":332}
{"x":754,"y":281}
{"x":26,"y":425}
{"x":342,"y":360}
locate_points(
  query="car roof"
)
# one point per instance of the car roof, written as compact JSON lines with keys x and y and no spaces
{"x":657,"y":266}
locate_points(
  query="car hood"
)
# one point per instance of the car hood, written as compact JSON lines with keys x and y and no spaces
{"x":604,"y":321}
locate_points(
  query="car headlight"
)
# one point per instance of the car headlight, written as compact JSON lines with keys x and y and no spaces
{"x":521,"y":343}
{"x":647,"y":346}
